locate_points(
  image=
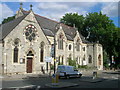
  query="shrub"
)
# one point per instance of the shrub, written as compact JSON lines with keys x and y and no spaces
{"x":52,"y":67}
{"x":83,"y":66}
{"x":72,"y":62}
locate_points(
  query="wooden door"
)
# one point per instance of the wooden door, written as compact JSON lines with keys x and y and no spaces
{"x":29,"y":65}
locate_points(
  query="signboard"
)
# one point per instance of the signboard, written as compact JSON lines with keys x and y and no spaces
{"x":84,"y":62}
{"x":48,"y":59}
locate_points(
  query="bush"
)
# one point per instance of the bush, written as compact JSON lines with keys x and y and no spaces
{"x":72,"y":62}
{"x":52,"y":67}
{"x":83,"y":66}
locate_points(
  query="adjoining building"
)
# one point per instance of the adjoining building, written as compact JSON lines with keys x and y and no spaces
{"x":29,"y":38}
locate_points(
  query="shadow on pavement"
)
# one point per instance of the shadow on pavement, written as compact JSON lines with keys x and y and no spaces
{"x":118,"y":72}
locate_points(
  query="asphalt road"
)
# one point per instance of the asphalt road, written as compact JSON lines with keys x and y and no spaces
{"x":109,"y":80}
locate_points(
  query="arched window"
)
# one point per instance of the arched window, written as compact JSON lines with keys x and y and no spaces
{"x":99,"y":59}
{"x":78,"y":45}
{"x":60,"y":42}
{"x":15,"y":53}
{"x":59,"y":60}
{"x":30,"y":53}
{"x":42,"y":52}
{"x":83,"y":48}
{"x":70,"y":46}
{"x":15,"y":60}
{"x":90,"y":59}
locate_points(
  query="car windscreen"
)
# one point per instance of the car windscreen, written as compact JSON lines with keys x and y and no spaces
{"x":69,"y":68}
{"x":61,"y":68}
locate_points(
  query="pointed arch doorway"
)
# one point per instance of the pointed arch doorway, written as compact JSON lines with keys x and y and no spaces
{"x":29,"y":65}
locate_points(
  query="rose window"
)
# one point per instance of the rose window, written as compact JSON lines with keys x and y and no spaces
{"x":30,"y":32}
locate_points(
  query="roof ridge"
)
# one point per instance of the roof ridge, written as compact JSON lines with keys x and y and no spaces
{"x":11,"y":20}
{"x":51,"y":19}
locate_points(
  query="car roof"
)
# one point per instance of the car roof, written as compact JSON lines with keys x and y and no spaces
{"x":65,"y":66}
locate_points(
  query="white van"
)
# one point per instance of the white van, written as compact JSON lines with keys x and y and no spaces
{"x":67,"y":71}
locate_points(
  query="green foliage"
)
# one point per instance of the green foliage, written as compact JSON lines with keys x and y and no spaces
{"x":105,"y":60}
{"x":72,"y":62}
{"x":72,"y":19}
{"x":83,"y":66}
{"x":51,"y":66}
{"x":8,"y":19}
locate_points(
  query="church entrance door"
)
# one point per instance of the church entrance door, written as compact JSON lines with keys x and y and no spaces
{"x":29,"y":65}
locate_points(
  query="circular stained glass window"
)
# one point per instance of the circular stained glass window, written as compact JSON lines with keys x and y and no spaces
{"x":30,"y":32}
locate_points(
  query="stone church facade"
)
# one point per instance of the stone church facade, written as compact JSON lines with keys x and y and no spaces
{"x":28,"y":39}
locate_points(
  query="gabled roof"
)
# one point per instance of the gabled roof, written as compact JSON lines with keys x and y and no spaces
{"x":6,"y":28}
{"x":51,"y":25}
{"x":48,"y":26}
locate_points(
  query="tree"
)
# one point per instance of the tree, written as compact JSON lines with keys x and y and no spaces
{"x":73,"y":19}
{"x":101,"y":29}
{"x":8,"y":19}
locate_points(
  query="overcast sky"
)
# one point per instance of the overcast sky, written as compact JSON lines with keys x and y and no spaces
{"x":56,"y":9}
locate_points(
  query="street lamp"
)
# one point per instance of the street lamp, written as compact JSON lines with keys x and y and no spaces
{"x":55,"y":49}
{"x":54,"y":54}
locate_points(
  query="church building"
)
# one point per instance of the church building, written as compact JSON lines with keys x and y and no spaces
{"x":27,"y":40}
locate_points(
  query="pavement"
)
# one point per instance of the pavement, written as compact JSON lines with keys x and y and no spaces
{"x":87,"y":77}
{"x":91,"y":79}
{"x":30,"y":87}
{"x":61,"y":85}
{"x":23,"y":76}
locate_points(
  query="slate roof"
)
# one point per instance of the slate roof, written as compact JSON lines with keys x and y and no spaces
{"x":6,"y":28}
{"x":48,"y":26}
{"x":48,"y":32}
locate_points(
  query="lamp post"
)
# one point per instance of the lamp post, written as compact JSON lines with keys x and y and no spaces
{"x":55,"y":49}
{"x":54,"y":54}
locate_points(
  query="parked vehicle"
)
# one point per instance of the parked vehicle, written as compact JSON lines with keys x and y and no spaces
{"x":67,"y":71}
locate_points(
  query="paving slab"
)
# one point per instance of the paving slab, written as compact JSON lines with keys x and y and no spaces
{"x":30,"y":87}
{"x":61,"y":85}
{"x":90,"y":79}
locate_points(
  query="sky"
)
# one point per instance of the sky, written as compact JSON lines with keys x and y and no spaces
{"x":56,"y":9}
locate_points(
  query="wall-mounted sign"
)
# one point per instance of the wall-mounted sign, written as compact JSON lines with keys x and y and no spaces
{"x":84,"y":62}
{"x":22,"y":60}
{"x":48,"y":59}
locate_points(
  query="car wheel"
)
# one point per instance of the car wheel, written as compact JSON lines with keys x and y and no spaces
{"x":59,"y":77}
{"x":80,"y":75}
{"x":67,"y":76}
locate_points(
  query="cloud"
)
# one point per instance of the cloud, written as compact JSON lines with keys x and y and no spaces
{"x":5,"y":12}
{"x":55,"y":6}
{"x":59,"y":0}
{"x":22,"y":0}
{"x":110,"y":9}
{"x":55,"y":10}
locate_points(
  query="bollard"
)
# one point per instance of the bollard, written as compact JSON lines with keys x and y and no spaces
{"x":94,"y":75}
{"x":57,"y":77}
{"x":53,"y":79}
